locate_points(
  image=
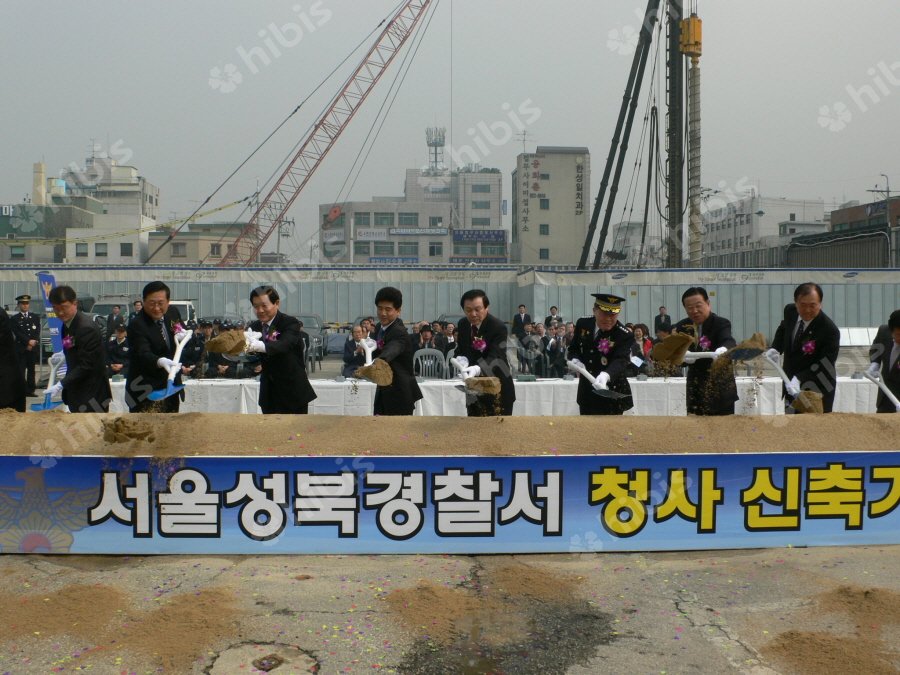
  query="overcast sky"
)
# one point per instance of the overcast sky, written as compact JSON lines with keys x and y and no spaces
{"x":801,"y":98}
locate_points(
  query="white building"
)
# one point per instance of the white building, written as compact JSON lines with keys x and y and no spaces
{"x":120,"y":234}
{"x":753,"y":221}
{"x":441,"y":218}
{"x":625,"y":246}
{"x":550,"y":206}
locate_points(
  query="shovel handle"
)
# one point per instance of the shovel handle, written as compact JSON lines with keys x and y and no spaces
{"x":181,"y":339}
{"x":884,"y":389}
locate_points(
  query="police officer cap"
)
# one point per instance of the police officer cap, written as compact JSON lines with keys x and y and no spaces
{"x":24,"y":298}
{"x":608,"y":303}
{"x":120,"y":328}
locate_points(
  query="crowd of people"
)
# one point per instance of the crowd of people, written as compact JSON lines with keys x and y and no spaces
{"x":142,"y":350}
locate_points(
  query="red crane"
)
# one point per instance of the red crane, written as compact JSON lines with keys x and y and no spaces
{"x":271,"y":211}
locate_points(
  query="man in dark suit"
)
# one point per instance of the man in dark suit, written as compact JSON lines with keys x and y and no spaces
{"x":810,"y":342}
{"x":710,"y":391}
{"x":26,"y":327}
{"x":117,"y":353}
{"x":662,"y":322}
{"x":520,"y":320}
{"x":553,"y":316}
{"x":354,"y":354}
{"x":12,"y":384}
{"x":151,"y":341}
{"x":114,"y":320}
{"x":603,"y":345}
{"x":398,"y":398}
{"x":85,"y":388}
{"x":885,"y":357}
{"x":283,"y":384}
{"x":482,"y":340}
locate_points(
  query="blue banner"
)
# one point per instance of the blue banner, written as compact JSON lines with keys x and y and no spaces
{"x":47,"y":282}
{"x":466,"y":505}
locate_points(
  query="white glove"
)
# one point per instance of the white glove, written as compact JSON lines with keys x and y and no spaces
{"x":602,"y":381}
{"x":719,"y":352}
{"x":772,"y":354}
{"x":256,"y":346}
{"x":874,"y":369}
{"x":690,"y":357}
{"x":165,"y":364}
{"x":793,"y":387}
{"x":55,"y":390}
{"x":252,"y":335}
{"x":59,"y":356}
{"x":471,"y":371}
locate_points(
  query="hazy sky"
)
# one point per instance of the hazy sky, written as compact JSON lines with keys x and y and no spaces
{"x":801,"y":98}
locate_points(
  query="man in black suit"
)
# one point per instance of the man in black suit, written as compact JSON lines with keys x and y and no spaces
{"x":482,"y":340}
{"x":603,"y":345}
{"x":12,"y":384}
{"x":114,"y":320}
{"x":283,"y":384}
{"x":520,"y":320}
{"x":85,"y":388}
{"x":138,"y":306}
{"x":885,"y":357}
{"x":662,"y":322}
{"x":398,"y":398}
{"x":810,"y":342}
{"x":354,"y":354}
{"x":151,"y":341}
{"x":710,"y":391}
{"x":117,"y":353}
{"x":26,"y":326}
{"x":553,"y":316}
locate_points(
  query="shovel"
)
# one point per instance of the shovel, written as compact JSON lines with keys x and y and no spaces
{"x":464,"y":372}
{"x":369,"y":345}
{"x":578,"y":367}
{"x":881,"y":385}
{"x":171,"y":388}
{"x":55,"y":362}
{"x":781,"y":373}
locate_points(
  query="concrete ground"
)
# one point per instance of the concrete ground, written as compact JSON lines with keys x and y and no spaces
{"x":821,"y":610}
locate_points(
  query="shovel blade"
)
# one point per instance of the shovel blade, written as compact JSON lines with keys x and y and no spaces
{"x":609,"y":393}
{"x":46,"y":405}
{"x":160,"y":394}
{"x":745,"y":354}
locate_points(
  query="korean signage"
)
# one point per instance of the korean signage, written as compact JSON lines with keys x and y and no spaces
{"x":589,"y":503}
{"x":462,"y":260}
{"x":411,"y":231}
{"x":394,"y":260}
{"x":364,"y":234}
{"x":579,"y":186}
{"x":493,"y":236}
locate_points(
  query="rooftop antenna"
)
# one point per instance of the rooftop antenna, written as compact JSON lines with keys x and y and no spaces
{"x":435,"y":137}
{"x":524,"y":136}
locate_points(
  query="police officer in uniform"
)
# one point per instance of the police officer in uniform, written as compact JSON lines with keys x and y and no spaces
{"x":117,"y":353}
{"x":27,"y":331}
{"x":603,"y":345}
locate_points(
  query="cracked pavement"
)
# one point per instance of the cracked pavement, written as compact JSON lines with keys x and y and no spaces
{"x":689,"y":612}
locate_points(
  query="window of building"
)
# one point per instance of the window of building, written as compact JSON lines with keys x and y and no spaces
{"x":16,"y":252}
{"x":545,"y":176}
{"x":384,"y":219}
{"x":361,"y":247}
{"x":126,"y":250}
{"x":435,"y":221}
{"x":493,"y":250}
{"x":408,"y":248}
{"x":481,"y":187}
{"x":545,"y":229}
{"x":101,"y":249}
{"x":481,"y":222}
{"x":435,"y":249}
{"x":215,"y":250}
{"x":481,"y":204}
{"x":793,"y":216}
{"x":384,"y":247}
{"x":408,"y":219}
{"x":179,"y":250}
{"x":81,"y":250}
{"x":362,"y":218}
{"x":545,"y":204}
{"x":334,"y":224}
{"x":465,"y":248}
{"x":334,"y":250}
{"x":544,"y":254}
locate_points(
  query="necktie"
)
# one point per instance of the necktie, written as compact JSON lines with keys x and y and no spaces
{"x":165,"y":333}
{"x":265,"y":330}
{"x":895,"y":354}
{"x":801,"y":326}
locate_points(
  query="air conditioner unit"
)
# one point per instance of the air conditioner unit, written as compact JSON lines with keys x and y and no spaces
{"x":11,"y":235}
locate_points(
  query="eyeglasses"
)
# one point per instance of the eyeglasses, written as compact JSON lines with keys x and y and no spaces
{"x":156,"y":303}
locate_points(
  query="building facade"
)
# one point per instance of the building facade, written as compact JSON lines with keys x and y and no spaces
{"x":550,"y":206}
{"x":197,"y":244}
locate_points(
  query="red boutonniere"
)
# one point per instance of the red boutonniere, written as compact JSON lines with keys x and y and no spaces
{"x":478,"y":344}
{"x":604,"y":345}
{"x":705,"y":343}
{"x":808,"y":347}
{"x":68,"y":342}
{"x":271,"y":337}
{"x":177,"y":328}
{"x":379,"y":344}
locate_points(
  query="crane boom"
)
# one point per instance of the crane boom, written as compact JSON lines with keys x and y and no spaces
{"x":271,"y":211}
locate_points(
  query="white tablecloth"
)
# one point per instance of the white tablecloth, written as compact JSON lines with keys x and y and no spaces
{"x":654,"y":396}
